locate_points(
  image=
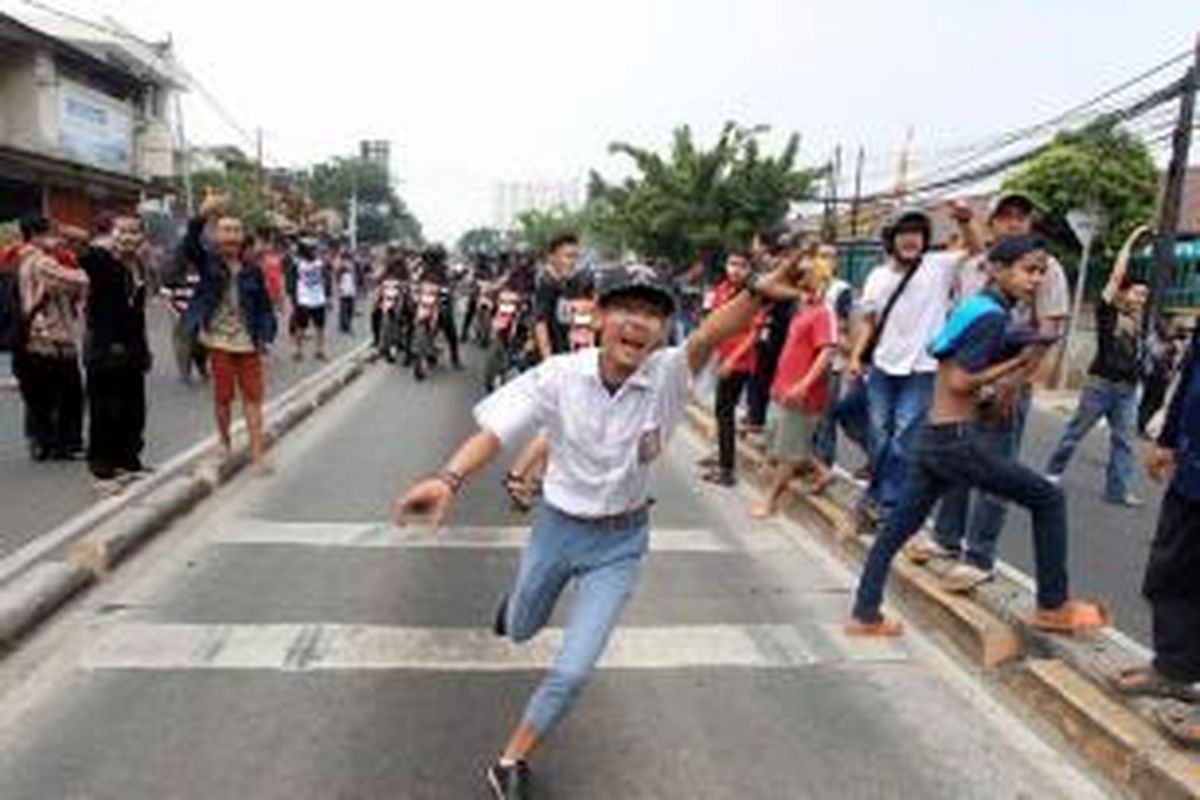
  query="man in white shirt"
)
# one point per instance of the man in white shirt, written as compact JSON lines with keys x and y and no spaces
{"x":311,"y":299}
{"x":905,"y":303}
{"x":608,"y":414}
{"x":970,"y":530}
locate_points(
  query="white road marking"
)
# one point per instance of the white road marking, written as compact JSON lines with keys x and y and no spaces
{"x":249,"y":531}
{"x":344,"y":647}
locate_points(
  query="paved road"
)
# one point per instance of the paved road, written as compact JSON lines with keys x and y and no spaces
{"x":1108,"y":543}
{"x":283,"y":642}
{"x":38,"y":496}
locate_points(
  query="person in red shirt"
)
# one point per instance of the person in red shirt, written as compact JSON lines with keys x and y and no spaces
{"x":735,"y":364}
{"x":800,"y":390}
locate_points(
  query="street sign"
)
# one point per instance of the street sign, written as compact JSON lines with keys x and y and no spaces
{"x":1085,"y":224}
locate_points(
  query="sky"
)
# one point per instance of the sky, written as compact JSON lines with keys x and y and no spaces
{"x":475,"y":92}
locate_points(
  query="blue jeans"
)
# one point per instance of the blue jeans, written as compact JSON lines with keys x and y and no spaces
{"x":945,"y":456}
{"x":897,"y":405}
{"x":853,"y":415}
{"x":825,"y":437}
{"x":604,"y":564}
{"x":986,"y":515}
{"x":1117,"y":402}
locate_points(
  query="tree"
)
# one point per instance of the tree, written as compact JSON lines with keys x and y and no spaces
{"x":1110,"y":169}
{"x":695,"y":200}
{"x":239,"y":182}
{"x":382,"y":214}
{"x":536,"y":227}
{"x":481,"y":241}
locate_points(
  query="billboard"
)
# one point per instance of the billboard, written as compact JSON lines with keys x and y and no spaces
{"x":94,"y":128}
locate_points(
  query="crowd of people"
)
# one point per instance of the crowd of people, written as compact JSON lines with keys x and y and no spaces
{"x":75,"y":324}
{"x":931,"y":370}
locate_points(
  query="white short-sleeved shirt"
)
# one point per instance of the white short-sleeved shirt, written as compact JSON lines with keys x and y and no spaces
{"x":1052,"y":301}
{"x":310,"y":284}
{"x":602,"y":445}
{"x":919,"y":313}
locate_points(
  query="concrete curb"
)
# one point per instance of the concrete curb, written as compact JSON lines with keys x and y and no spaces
{"x":87,"y":547}
{"x":1060,"y":678}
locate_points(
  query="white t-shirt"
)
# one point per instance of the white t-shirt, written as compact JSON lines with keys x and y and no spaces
{"x":602,"y":445}
{"x":310,"y":284}
{"x":347,"y":287}
{"x":918,"y":315}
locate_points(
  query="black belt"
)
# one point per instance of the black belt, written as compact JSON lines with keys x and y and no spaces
{"x":612,"y":522}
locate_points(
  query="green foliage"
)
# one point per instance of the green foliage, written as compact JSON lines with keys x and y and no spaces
{"x":481,"y":241}
{"x":240,"y":184}
{"x":694,"y":200}
{"x":1110,"y":169}
{"x":536,"y":227}
{"x":382,"y":214}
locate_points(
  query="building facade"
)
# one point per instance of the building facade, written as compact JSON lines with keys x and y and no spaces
{"x":84,"y":126}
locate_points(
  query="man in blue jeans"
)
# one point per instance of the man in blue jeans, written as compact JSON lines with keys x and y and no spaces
{"x":974,"y":351}
{"x":905,"y":302}
{"x":607,"y":415}
{"x":968,"y":524}
{"x":1111,"y":388}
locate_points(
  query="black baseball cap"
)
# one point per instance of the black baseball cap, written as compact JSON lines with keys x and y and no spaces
{"x":1011,"y":249}
{"x":637,"y":280}
{"x":1018,"y":199}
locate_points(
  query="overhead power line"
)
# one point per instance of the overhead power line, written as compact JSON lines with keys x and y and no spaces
{"x":1006,"y":140}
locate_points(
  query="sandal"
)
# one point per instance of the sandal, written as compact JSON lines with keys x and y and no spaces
{"x":883,"y":628}
{"x":1180,"y":722}
{"x":1146,"y":681}
{"x":1072,"y":617}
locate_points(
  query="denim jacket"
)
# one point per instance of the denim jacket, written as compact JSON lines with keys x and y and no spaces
{"x":258,"y":315}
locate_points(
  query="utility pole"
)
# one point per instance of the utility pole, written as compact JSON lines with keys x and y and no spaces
{"x":185,"y":155}
{"x":857,"y":201}
{"x":1172,"y":196}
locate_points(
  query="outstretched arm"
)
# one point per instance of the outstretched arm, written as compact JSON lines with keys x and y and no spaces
{"x":433,"y":497}
{"x":736,"y":315}
{"x":1121,"y":265}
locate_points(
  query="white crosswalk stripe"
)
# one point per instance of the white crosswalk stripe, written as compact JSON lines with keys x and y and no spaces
{"x":330,"y":647}
{"x":249,"y":531}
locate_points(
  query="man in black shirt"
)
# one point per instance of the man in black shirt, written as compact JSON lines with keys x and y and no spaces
{"x":1111,"y":388}
{"x":551,"y":307}
{"x":116,"y":353}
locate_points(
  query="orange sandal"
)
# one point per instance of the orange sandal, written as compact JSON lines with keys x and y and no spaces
{"x":1072,"y":617}
{"x":1181,"y":722}
{"x":883,"y":628}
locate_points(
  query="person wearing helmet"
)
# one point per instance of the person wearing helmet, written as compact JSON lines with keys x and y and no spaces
{"x":905,"y":302}
{"x":435,"y":270}
{"x":608,"y":413}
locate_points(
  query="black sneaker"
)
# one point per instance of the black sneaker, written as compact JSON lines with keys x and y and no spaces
{"x":720,"y":478}
{"x":500,"y":623}
{"x":509,"y":783}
